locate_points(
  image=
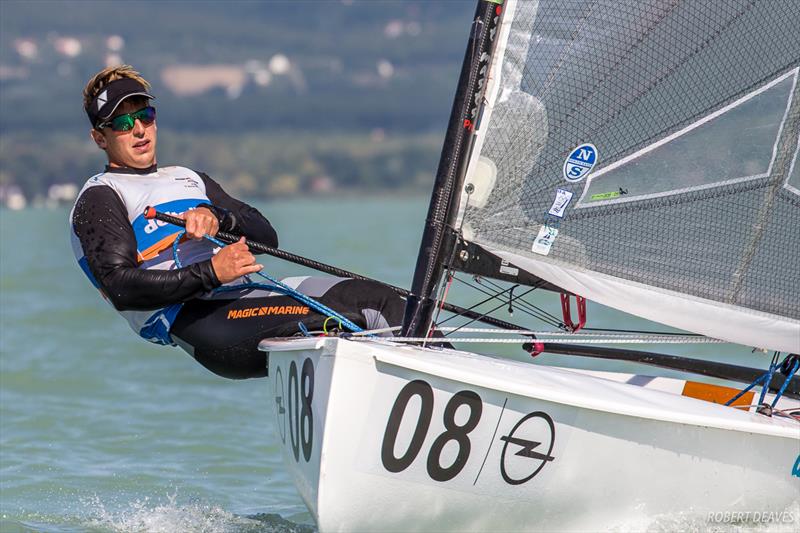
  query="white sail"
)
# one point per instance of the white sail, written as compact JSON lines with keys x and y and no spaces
{"x":684,"y":208}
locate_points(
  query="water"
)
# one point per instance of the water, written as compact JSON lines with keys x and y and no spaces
{"x":102,"y":431}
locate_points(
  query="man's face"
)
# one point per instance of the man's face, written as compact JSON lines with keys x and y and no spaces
{"x":135,"y":148}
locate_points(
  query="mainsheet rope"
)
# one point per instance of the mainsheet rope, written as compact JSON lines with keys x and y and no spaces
{"x":276,"y":286}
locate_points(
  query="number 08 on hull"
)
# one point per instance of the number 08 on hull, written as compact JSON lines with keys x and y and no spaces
{"x":383,"y":437}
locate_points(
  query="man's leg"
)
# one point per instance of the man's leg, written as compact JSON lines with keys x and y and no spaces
{"x":369,"y":304}
{"x":223,"y":333}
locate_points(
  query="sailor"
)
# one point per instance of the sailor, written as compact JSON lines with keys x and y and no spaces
{"x":190,"y":292}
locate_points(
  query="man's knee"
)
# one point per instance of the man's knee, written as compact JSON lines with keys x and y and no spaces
{"x":367,"y":290}
{"x":379,"y":305}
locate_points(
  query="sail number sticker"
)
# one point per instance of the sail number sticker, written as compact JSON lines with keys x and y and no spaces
{"x":580,"y":162}
{"x":454,"y":431}
{"x":464,"y":439}
{"x":293,"y":408}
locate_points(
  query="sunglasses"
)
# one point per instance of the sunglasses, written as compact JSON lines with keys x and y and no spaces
{"x":126,"y":122}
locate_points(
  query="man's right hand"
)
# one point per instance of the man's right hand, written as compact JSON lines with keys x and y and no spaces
{"x":234,"y":261}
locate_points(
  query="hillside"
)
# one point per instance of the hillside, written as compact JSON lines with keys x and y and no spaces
{"x":344,"y":75}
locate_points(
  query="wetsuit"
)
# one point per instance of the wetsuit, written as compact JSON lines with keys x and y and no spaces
{"x":132,"y":261}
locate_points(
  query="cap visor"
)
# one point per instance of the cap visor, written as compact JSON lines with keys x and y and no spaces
{"x":148,"y":95}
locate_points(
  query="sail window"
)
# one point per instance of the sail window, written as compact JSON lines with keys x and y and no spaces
{"x":793,"y":181}
{"x":735,"y":143}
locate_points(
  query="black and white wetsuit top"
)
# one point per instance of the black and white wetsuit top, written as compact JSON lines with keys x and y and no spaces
{"x":130,"y":259}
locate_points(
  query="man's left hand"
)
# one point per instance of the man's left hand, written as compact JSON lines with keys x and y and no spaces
{"x":200,"y":222}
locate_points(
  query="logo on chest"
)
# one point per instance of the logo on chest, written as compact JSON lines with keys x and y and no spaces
{"x":188,"y":182}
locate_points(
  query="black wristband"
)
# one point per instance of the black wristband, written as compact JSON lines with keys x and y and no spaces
{"x":227,"y":222}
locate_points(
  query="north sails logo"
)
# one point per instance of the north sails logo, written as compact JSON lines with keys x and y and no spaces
{"x":102,"y":99}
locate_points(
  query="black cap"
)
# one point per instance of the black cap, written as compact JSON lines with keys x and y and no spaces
{"x":107,"y":101}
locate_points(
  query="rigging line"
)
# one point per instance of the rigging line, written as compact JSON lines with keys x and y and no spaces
{"x":441,"y":292}
{"x":482,"y":281}
{"x":443,"y":289}
{"x":556,"y":320}
{"x":484,"y":315}
{"x":533,"y":311}
{"x":473,"y":320}
{"x":434,"y":324}
{"x":503,"y":331}
{"x":765,"y":380}
{"x":489,"y":312}
{"x":523,"y":307}
{"x":772,"y":368}
{"x":495,"y":340}
{"x":376,"y":331}
{"x":456,"y":315}
{"x":523,"y":304}
{"x":442,"y":297}
{"x":644,"y":332}
{"x":789,"y":410}
{"x":450,"y":276}
{"x":450,"y":260}
{"x":789,"y":374}
{"x":786,"y":413}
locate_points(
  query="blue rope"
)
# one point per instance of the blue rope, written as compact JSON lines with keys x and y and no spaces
{"x":765,"y":379}
{"x":744,"y":391}
{"x":175,"y":242}
{"x":772,"y":368}
{"x":786,"y":382}
{"x":276,"y":286}
{"x":314,"y":304}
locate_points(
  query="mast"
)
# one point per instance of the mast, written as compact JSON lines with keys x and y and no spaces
{"x":438,"y":238}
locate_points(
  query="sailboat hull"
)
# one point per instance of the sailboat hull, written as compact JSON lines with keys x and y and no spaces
{"x":382,"y":437}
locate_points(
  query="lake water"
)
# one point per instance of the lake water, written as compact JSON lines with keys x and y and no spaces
{"x":102,"y":431}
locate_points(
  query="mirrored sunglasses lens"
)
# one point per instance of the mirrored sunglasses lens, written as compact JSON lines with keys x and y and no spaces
{"x":146,"y":115}
{"x":122,"y":123}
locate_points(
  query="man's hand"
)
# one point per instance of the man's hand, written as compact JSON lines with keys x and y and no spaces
{"x":233,"y":261}
{"x":200,"y":222}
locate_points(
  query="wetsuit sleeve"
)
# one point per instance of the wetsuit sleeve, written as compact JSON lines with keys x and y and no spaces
{"x":109,"y":244}
{"x":237,"y":217}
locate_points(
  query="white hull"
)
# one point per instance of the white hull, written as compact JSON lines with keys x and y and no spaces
{"x":509,"y":446}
